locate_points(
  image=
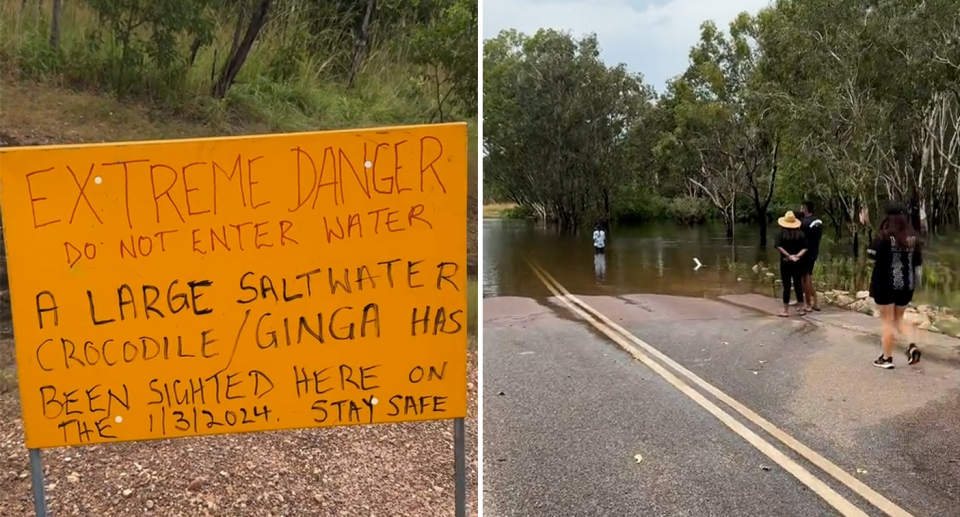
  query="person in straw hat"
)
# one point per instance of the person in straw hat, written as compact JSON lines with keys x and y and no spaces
{"x":792,"y":245}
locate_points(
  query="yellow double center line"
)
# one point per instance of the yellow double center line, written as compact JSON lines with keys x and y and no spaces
{"x":643,"y":352}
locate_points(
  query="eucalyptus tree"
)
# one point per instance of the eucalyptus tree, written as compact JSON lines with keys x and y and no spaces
{"x":556,"y":124}
{"x":727,"y":116}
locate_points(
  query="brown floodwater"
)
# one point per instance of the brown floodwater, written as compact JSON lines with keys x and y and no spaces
{"x":659,"y":258}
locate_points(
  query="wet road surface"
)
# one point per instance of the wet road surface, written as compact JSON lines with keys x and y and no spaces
{"x":566,"y":410}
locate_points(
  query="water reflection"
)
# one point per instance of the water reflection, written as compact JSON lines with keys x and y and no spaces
{"x":656,"y":258}
{"x":600,"y":266}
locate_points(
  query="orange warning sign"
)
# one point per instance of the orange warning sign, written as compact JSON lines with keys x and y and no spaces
{"x":195,"y":287}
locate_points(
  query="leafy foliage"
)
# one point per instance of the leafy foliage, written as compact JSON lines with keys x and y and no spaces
{"x":448,"y":47}
{"x":556,"y":120}
{"x":163,"y":23}
{"x":846,"y":103}
{"x":290,"y":61}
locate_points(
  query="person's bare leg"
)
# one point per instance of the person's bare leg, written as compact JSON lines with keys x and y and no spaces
{"x":903,"y":328}
{"x":889,"y":328}
{"x":785,"y":278}
{"x":807,"y":295}
{"x":812,"y":294}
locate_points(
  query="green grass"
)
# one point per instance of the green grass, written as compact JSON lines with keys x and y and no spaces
{"x":506,"y":211}
{"x":497,"y":210}
{"x":281,"y":85}
{"x":940,"y":285}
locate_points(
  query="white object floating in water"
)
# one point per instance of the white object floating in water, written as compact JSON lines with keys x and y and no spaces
{"x":698,"y":263}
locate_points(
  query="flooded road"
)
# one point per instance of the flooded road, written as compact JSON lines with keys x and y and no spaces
{"x":659,"y":259}
{"x":657,"y":389}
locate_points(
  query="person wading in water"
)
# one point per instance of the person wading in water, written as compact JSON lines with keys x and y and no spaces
{"x":896,"y":261}
{"x":792,"y":245}
{"x":599,"y":239}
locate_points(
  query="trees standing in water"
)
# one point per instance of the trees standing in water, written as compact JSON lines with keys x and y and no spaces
{"x":848,"y":103}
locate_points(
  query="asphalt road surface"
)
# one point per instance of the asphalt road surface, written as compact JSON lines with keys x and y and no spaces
{"x":567,"y":410}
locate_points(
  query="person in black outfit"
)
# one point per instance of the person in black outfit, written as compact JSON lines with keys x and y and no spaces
{"x":792,"y":245}
{"x":897,"y":259}
{"x":812,"y":228}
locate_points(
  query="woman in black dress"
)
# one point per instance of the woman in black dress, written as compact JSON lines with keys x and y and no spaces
{"x":792,"y":245}
{"x":897,"y":258}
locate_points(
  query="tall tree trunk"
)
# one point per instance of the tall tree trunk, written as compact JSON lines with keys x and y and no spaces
{"x":239,"y":55}
{"x":194,"y":49}
{"x":55,"y":24}
{"x":238,"y":30}
{"x":731,"y":231}
{"x":728,"y":221}
{"x":606,"y":210}
{"x":760,"y":210}
{"x":762,"y":220}
{"x":362,"y":40}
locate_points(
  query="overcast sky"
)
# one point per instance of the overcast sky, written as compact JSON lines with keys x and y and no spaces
{"x":652,"y":37}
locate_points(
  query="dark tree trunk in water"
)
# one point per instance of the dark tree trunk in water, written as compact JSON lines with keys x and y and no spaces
{"x":761,"y":213}
{"x":605,"y":222}
{"x":731,"y":218}
{"x":761,"y":206}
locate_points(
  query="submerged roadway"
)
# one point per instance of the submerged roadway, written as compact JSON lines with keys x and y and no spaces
{"x":655,"y":405}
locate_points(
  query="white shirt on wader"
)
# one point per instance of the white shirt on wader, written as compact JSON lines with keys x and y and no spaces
{"x":598,"y":238}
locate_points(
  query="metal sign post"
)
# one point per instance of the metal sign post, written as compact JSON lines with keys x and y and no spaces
{"x":460,"y":466}
{"x":37,"y":481}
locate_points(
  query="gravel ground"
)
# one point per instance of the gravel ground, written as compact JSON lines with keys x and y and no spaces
{"x":401,"y":470}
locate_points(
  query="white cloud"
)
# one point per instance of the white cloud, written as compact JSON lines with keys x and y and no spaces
{"x":651,"y":37}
